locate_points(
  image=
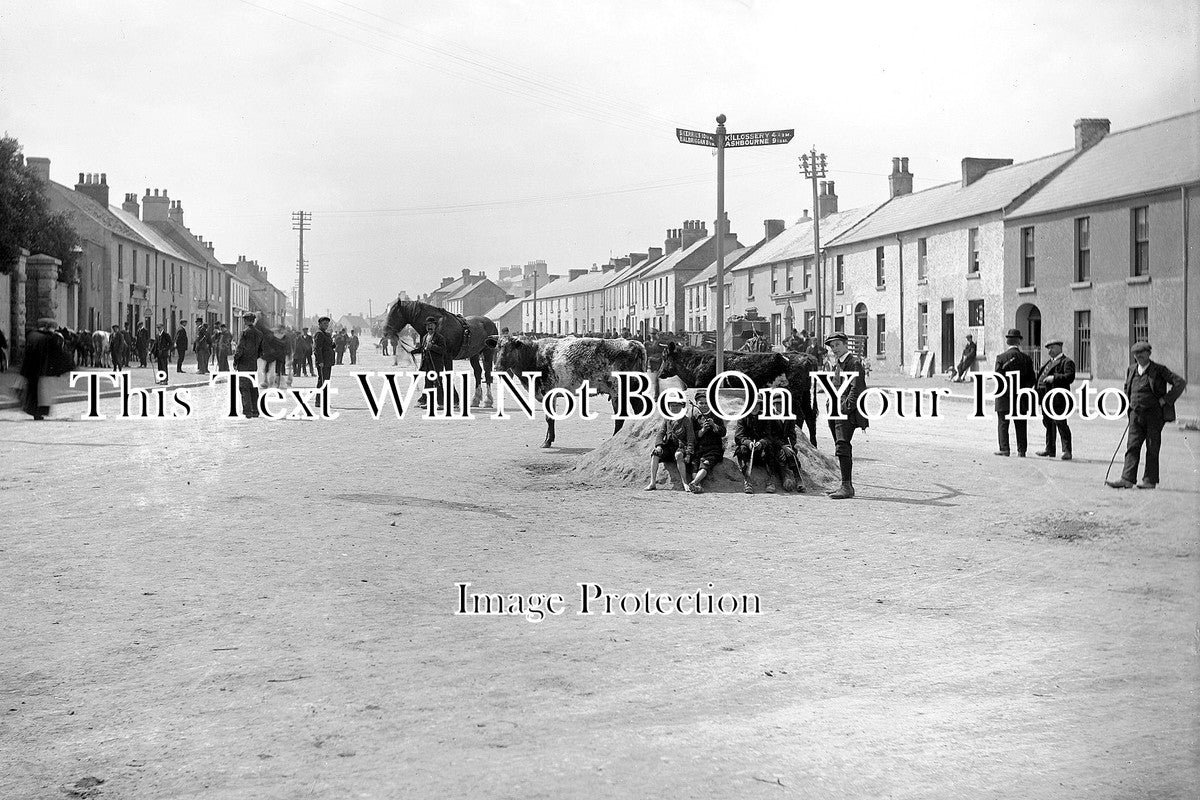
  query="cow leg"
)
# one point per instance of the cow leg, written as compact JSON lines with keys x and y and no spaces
{"x":549,"y":433}
{"x":617,"y":423}
{"x":477,"y":396}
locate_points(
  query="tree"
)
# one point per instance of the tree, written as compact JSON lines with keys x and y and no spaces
{"x":26,"y":220}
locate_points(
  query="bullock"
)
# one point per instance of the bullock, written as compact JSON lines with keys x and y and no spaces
{"x":100,"y":349}
{"x":567,"y":363}
{"x":697,"y":368}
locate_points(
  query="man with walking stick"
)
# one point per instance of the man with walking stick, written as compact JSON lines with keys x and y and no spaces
{"x":1151,"y":406}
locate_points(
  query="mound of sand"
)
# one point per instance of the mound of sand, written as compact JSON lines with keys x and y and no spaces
{"x":624,"y":460}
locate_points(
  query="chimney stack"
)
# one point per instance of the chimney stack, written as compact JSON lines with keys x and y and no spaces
{"x":653,"y":254}
{"x":131,"y":204}
{"x":975,"y":168}
{"x":1089,"y":131}
{"x":693,"y":232}
{"x":635,"y":259}
{"x":900,"y":181}
{"x":806,"y":217}
{"x":155,"y":207}
{"x":573,"y":274}
{"x":671,"y":244}
{"x":94,"y":186}
{"x":772,"y":228}
{"x":175,"y":212}
{"x":40,"y":167}
{"x":827,"y":201}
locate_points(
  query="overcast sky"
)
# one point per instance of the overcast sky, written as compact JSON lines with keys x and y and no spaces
{"x":432,"y":136}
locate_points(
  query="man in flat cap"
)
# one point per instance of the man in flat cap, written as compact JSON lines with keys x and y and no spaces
{"x":1151,"y":405}
{"x":1017,"y":368}
{"x":245,"y":359}
{"x":433,"y":358}
{"x":846,"y":366}
{"x":1057,"y":373}
{"x":958,"y":374}
{"x":323,"y":351}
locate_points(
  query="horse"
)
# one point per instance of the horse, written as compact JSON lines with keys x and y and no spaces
{"x":472,"y":338}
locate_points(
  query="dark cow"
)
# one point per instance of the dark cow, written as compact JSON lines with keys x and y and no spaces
{"x":568,"y":362}
{"x":697,"y":368}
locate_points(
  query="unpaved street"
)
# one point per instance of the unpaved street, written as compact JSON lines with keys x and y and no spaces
{"x":206,"y":608}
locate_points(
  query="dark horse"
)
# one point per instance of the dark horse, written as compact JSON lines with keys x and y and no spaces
{"x":471,"y":338}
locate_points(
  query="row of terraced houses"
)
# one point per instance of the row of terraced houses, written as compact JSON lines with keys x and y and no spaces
{"x":1091,"y":245}
{"x":138,"y":263}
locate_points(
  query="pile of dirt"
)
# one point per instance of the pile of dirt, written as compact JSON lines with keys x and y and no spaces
{"x":624,"y":460}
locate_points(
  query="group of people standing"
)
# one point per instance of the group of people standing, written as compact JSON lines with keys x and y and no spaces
{"x":1150,"y":388}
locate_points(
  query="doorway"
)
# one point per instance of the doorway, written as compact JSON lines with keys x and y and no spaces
{"x":947,"y":334}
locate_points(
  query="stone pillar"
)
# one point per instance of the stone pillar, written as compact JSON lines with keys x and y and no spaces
{"x":17,"y":307}
{"x":43,"y":286}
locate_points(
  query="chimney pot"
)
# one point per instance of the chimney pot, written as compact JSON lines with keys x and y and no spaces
{"x":104,"y":178}
{"x":895,"y":165}
{"x":831,"y":188}
{"x":904,"y":165}
{"x":81,"y":178}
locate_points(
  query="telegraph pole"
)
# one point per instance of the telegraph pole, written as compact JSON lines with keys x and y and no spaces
{"x":813,"y":165}
{"x":300,"y":222}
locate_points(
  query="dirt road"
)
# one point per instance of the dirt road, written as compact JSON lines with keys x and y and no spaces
{"x":203,"y":608}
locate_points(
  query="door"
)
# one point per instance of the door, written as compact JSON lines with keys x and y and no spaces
{"x":947,"y":335}
{"x":776,"y":327}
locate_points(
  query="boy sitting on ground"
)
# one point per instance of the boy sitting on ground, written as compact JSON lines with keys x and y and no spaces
{"x":676,"y":439}
{"x":710,"y":442}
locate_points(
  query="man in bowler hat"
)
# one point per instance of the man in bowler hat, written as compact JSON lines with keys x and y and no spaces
{"x":1151,"y":406}
{"x":1017,"y":369}
{"x":1057,"y":373}
{"x":323,"y":350}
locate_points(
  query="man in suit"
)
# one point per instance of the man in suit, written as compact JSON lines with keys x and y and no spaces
{"x":163,"y":345}
{"x":181,"y":345}
{"x":1151,"y":406}
{"x":1017,"y":368}
{"x":323,"y":350}
{"x":433,"y":358}
{"x":340,"y":340}
{"x":1057,"y":373}
{"x":245,"y":359}
{"x":203,"y":346}
{"x":116,"y":345}
{"x":352,"y":343}
{"x":223,"y":344}
{"x":959,"y":373}
{"x":143,"y":342}
{"x":846,"y":366}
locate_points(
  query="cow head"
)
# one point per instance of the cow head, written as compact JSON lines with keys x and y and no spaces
{"x":515,"y":355}
{"x":674,"y":365}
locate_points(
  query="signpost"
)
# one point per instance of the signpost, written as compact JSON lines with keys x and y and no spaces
{"x":720,"y":140}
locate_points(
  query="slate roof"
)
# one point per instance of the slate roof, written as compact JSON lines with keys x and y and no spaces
{"x":709,"y":273}
{"x":797,"y":241}
{"x":150,"y":235}
{"x":952,"y":201}
{"x":591,"y":282}
{"x":466,"y":289}
{"x":502,"y":308}
{"x":184,"y":240}
{"x":77,"y":201}
{"x":1149,"y":158}
{"x":669,"y":262}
